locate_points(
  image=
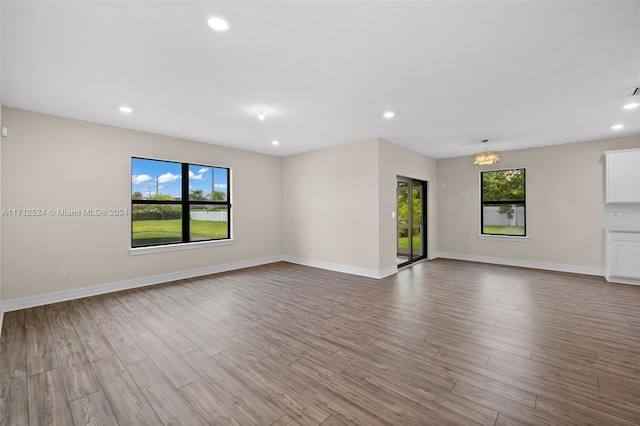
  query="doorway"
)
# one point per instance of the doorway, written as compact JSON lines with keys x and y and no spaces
{"x":411,"y":220}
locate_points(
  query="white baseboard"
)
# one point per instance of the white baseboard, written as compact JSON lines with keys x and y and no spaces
{"x":521,"y":263}
{"x":622,"y":280}
{"x":61,"y":296}
{"x":388,"y":271}
{"x":337,"y":267}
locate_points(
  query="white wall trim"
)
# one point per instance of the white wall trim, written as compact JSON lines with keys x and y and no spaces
{"x":622,"y":280}
{"x":521,"y":263}
{"x":136,"y":251}
{"x":61,"y":296}
{"x":388,"y":271}
{"x":503,"y":237}
{"x":337,"y":267}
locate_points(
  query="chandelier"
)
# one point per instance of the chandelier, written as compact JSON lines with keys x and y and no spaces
{"x":486,"y":157}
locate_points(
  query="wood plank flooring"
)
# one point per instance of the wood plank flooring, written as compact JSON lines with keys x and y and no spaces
{"x":443,"y":342}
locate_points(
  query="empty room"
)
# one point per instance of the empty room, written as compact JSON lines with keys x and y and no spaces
{"x":320,"y":213}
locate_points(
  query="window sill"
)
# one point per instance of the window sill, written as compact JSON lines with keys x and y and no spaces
{"x":503,"y":237}
{"x":177,"y":247}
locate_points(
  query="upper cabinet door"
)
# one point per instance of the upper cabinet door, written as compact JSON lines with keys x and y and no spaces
{"x":623,"y":176}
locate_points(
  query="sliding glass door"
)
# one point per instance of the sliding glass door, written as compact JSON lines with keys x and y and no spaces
{"x":411,"y":220}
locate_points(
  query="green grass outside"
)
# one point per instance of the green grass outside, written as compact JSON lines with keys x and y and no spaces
{"x":403,"y":242}
{"x":503,"y":230}
{"x":167,"y":231}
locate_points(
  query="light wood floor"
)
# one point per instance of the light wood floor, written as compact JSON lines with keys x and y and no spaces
{"x":443,"y":342}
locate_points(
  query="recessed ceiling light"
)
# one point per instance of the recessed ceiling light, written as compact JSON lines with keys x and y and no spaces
{"x":617,"y":126}
{"x":275,"y":143}
{"x":389,"y":114}
{"x":261,"y":115}
{"x":631,"y":105}
{"x":125,"y":109}
{"x":218,"y":24}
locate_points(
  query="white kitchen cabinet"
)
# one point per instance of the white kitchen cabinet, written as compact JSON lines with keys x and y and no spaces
{"x":623,"y":176}
{"x":623,"y":257}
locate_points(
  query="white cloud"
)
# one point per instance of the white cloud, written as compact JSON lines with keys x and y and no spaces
{"x":203,"y":170}
{"x":138,"y":179}
{"x":220,"y":185}
{"x":195,"y":176}
{"x":167,"y":177}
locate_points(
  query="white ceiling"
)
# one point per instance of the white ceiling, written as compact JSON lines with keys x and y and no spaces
{"x":521,"y":74}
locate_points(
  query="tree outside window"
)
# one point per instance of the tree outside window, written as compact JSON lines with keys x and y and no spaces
{"x":503,"y":203}
{"x":178,"y":202}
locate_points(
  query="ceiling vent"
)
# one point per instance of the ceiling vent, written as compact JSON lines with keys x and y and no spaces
{"x":632,"y":91}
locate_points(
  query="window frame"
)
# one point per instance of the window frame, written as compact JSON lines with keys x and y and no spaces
{"x":185,"y":204}
{"x":484,"y":202}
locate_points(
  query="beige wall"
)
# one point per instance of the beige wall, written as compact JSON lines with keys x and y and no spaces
{"x":397,"y":161}
{"x":1,"y":143}
{"x":53,"y":162}
{"x":1,"y":315}
{"x":565,"y":196}
{"x":309,"y":206}
{"x":330,"y":203}
{"x":343,"y":197}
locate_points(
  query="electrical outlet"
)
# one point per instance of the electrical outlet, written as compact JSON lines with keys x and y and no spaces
{"x":62,"y":272}
{"x":341,"y":252}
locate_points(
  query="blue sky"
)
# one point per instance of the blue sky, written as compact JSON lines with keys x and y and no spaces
{"x":147,"y":175}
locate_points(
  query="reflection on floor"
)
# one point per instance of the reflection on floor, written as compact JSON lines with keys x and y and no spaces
{"x":442,"y":342}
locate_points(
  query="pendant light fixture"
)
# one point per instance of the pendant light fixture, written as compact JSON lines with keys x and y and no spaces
{"x":486,"y":158}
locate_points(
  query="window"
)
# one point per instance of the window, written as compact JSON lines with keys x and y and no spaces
{"x":503,"y":202}
{"x":178,"y":203}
